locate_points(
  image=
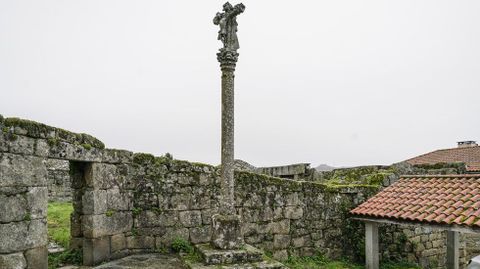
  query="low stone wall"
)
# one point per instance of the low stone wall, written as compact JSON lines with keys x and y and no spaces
{"x":175,"y":199}
{"x":127,"y":203}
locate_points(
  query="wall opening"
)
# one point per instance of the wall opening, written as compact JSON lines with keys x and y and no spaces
{"x":66,"y":187}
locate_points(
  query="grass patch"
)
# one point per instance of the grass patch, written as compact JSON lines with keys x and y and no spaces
{"x":58,"y":218}
{"x":67,"y":257}
{"x":320,"y":262}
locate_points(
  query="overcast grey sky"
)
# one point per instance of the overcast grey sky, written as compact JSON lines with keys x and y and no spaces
{"x":342,"y":82}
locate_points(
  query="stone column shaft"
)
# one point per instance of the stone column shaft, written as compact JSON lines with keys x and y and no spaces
{"x":227,"y":205}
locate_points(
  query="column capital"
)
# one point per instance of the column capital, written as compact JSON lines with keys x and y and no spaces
{"x":227,"y":59}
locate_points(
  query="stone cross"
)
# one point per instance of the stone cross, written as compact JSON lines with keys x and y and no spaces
{"x":226,"y":232}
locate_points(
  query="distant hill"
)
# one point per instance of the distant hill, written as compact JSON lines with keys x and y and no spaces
{"x":325,"y":167}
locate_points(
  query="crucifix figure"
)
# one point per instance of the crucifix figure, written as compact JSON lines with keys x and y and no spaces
{"x":226,"y":230}
{"x":228,"y":25}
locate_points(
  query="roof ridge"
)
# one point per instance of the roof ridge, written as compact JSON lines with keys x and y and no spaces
{"x":439,"y":150}
{"x":437,"y":176}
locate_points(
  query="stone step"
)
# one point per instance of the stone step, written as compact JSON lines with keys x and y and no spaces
{"x":212,"y":256}
{"x":255,"y":265}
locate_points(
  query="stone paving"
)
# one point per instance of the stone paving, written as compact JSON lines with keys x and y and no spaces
{"x":142,"y":261}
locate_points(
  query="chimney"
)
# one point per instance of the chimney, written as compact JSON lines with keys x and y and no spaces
{"x":467,"y":144}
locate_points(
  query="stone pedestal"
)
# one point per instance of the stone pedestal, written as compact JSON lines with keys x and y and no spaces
{"x":247,"y":257}
{"x":226,"y":232}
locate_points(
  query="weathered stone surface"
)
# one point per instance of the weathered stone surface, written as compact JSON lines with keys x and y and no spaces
{"x":281,"y":241}
{"x":101,"y":176}
{"x":22,"y":171}
{"x":12,"y":208}
{"x":117,"y":200}
{"x":280,"y":227}
{"x":37,"y":201}
{"x":23,"y":145}
{"x":13,"y":261}
{"x":94,"y":202}
{"x":191,"y":218}
{"x":226,"y":232}
{"x":95,"y":226}
{"x":32,"y":234}
{"x":3,"y":142}
{"x":37,"y":258}
{"x":293,"y":212}
{"x":200,"y":234}
{"x":148,"y":218}
{"x":118,"y":242}
{"x":140,"y":242}
{"x":96,"y":250}
{"x":170,"y":235}
{"x":215,"y":256}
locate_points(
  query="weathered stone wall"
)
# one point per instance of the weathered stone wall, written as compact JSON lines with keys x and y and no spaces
{"x":176,"y":199}
{"x":25,"y":148}
{"x":58,"y":180}
{"x":127,"y":203}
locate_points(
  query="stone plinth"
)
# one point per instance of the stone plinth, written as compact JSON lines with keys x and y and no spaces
{"x":211,"y":255}
{"x":247,"y":257}
{"x":226,"y":232}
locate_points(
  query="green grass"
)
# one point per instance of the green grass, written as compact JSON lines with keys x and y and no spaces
{"x":319,"y":262}
{"x":67,"y":257}
{"x":58,"y":218}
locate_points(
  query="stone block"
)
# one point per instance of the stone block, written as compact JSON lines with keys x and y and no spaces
{"x":190,"y":218}
{"x":213,"y":256}
{"x":293,"y":212}
{"x":281,"y":241}
{"x":118,"y":242}
{"x":117,"y":156}
{"x":148,"y":218}
{"x":37,"y":258}
{"x":94,"y":202}
{"x":22,"y":171}
{"x":37,"y":201}
{"x":13,"y":208}
{"x":95,"y":226}
{"x":280,"y":255}
{"x":200,"y":234}
{"x":140,"y":242}
{"x":22,"y":145}
{"x":101,"y":176}
{"x":42,"y":148}
{"x":280,"y":227}
{"x":96,"y":250}
{"x":3,"y":142}
{"x":226,"y":231}
{"x":207,"y":215}
{"x":170,"y":235}
{"x":181,"y":201}
{"x":20,"y":236}
{"x":13,"y":261}
{"x":117,"y":200}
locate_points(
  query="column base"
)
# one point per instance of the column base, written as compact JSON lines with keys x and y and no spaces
{"x":226,"y":232}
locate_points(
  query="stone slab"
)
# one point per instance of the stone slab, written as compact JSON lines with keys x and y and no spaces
{"x":255,"y":265}
{"x":247,"y":254}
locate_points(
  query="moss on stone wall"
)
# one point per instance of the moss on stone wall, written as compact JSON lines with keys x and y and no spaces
{"x":362,"y":176}
{"x":40,"y":130}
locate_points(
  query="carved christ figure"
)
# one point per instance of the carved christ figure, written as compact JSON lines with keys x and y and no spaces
{"x":228,"y":25}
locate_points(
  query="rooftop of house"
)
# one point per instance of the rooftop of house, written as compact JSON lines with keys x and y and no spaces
{"x":436,"y":200}
{"x":467,"y":152}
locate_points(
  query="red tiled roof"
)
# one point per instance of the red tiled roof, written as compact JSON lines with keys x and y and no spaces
{"x":468,"y":155}
{"x":442,"y":199}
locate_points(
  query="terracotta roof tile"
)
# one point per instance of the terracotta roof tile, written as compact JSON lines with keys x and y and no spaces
{"x":468,"y":155}
{"x":442,"y":199}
